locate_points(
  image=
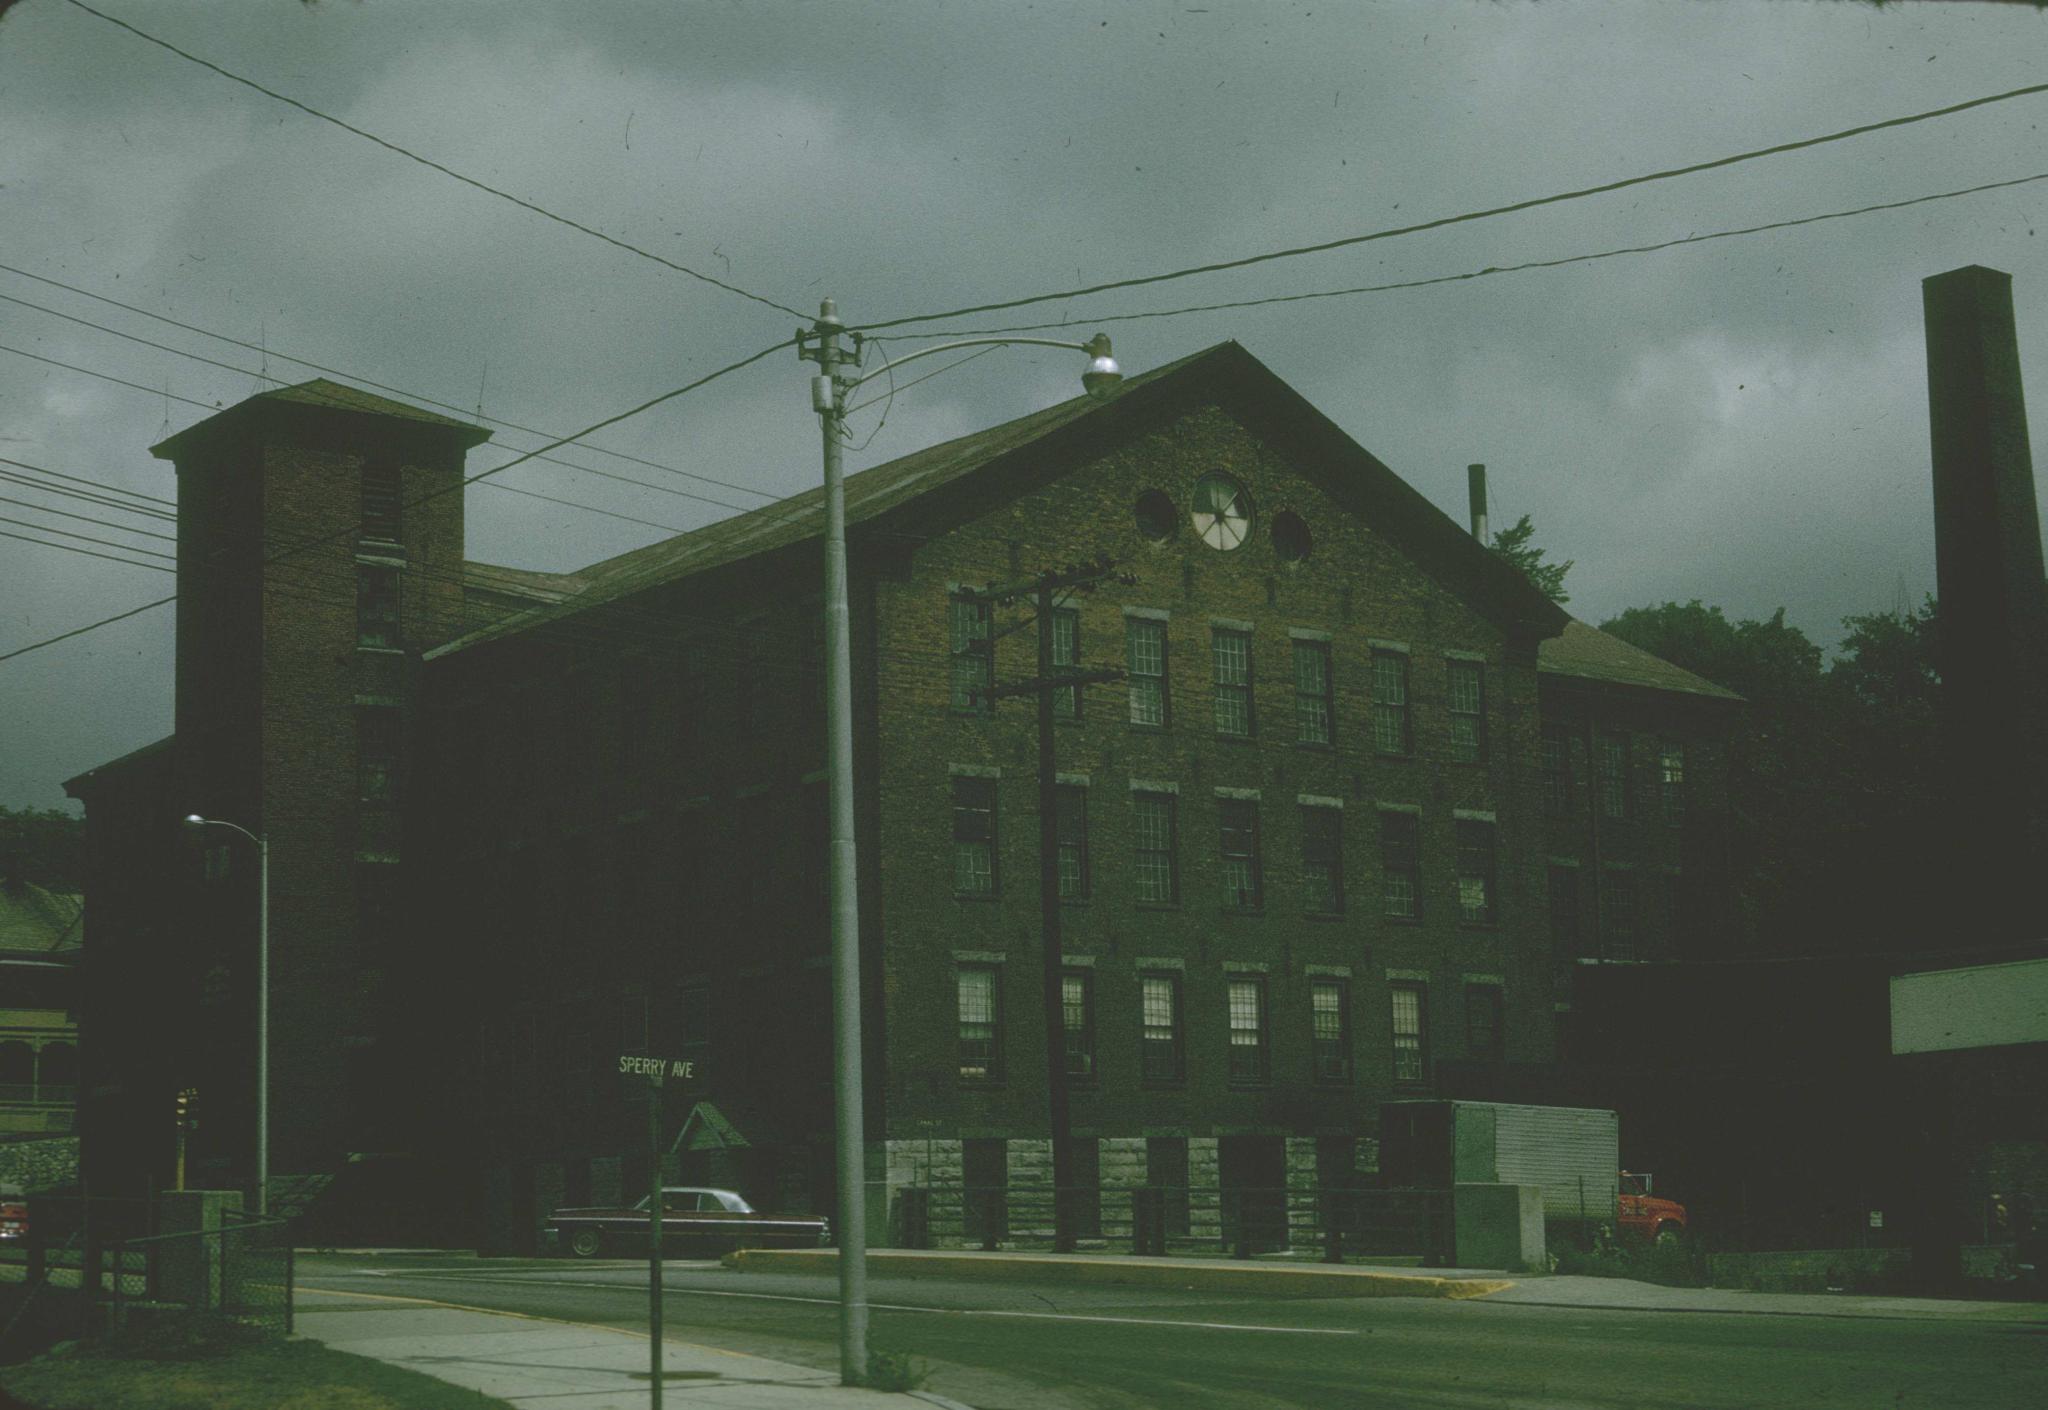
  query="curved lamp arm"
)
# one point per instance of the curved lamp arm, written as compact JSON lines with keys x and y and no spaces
{"x":1102,"y":374}
{"x":193,"y":823}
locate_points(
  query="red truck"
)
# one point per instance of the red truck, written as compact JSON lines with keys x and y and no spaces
{"x":1639,"y":1213}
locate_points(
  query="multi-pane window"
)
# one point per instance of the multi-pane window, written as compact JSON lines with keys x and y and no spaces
{"x":1614,"y":775}
{"x":383,"y":503}
{"x":1066,"y":653}
{"x":974,"y":836}
{"x":1243,"y":882}
{"x":1390,"y":734}
{"x":1476,"y":885}
{"x":981,"y":1024}
{"x":1077,"y":1022}
{"x":1247,"y":999}
{"x":1154,"y":847}
{"x":1330,"y":1012}
{"x":1671,"y":781}
{"x":376,"y":605}
{"x":1617,"y":915}
{"x":1411,"y":1034}
{"x":1401,"y":865}
{"x":1564,"y":910}
{"x":1160,"y":1043}
{"x":1557,"y":771}
{"x":377,"y":754}
{"x":973,"y":648}
{"x":1231,"y":651}
{"x":1145,"y":652}
{"x":1322,"y":859}
{"x":1313,"y":707}
{"x":1468,"y":711}
{"x":1485,"y":1038}
{"x":1070,"y":805}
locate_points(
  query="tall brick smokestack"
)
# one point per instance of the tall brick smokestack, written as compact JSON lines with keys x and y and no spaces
{"x":1994,"y":609}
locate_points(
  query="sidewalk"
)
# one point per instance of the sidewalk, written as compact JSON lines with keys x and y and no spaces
{"x":533,"y":1362}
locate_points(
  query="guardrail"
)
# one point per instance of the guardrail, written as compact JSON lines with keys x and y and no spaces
{"x":1161,"y":1221}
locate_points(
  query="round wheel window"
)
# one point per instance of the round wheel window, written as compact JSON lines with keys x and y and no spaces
{"x":1291,"y":539}
{"x":1155,"y":515}
{"x":1222,"y":515}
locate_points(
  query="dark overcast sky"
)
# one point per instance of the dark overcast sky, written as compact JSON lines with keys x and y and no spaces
{"x":1741,"y":421}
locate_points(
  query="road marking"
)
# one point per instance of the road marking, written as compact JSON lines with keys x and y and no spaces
{"x":896,"y":1307}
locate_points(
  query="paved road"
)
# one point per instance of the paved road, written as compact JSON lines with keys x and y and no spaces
{"x":1002,"y":1346}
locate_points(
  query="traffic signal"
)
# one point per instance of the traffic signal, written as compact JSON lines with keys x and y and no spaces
{"x":186,"y":1120}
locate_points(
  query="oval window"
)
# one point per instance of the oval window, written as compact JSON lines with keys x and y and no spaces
{"x":1222,"y":515}
{"x":1154,"y":514}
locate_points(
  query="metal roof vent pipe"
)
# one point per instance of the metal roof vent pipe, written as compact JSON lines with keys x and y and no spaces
{"x":1475,"y":481}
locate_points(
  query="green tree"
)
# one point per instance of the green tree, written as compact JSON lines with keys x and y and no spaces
{"x":1513,"y":545}
{"x":42,"y":845}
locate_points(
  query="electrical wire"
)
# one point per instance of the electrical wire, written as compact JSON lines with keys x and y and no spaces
{"x":96,"y":484}
{"x":1490,"y":270}
{"x":431,"y":164}
{"x":87,"y":519}
{"x":89,"y":553}
{"x":1466,"y":217}
{"x":354,"y":377}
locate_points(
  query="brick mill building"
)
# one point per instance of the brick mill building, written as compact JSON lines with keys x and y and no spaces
{"x":1363,"y":801}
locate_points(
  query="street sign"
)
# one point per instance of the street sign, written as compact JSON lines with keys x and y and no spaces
{"x":660,"y":1069}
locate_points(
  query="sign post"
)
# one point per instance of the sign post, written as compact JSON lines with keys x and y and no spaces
{"x":656,"y":1070}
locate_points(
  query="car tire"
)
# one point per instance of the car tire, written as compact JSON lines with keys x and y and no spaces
{"x":1670,"y":1235}
{"x":585,"y":1243}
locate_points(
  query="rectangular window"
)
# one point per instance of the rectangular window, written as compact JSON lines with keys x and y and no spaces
{"x":974,"y":836}
{"x":1231,"y":651}
{"x":377,"y":605}
{"x":1617,"y":915}
{"x":1160,"y":1056}
{"x":1671,"y":780}
{"x":1614,"y":775}
{"x":1390,"y":733}
{"x":1243,"y":879}
{"x":383,"y":502}
{"x":1155,"y":848}
{"x":981,"y":1024}
{"x":1330,"y":1011}
{"x":974,"y":652}
{"x":1564,"y":910}
{"x":1557,"y":771}
{"x":1468,"y":712}
{"x":1411,"y":1034}
{"x":1476,"y":885}
{"x":1066,"y":653}
{"x":1485,"y":1039}
{"x":1314,"y":709}
{"x":1322,"y":860}
{"x":1248,"y":1030}
{"x":1401,"y":865}
{"x":1145,"y":643}
{"x":1071,"y":805}
{"x":377,"y":736}
{"x":1077,"y":1018}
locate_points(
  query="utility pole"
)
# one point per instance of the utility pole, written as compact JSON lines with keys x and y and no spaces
{"x":1045,"y":688}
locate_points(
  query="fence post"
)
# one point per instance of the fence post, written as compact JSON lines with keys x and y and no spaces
{"x":222,"y":1305}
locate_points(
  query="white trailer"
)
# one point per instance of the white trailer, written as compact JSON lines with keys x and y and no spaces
{"x":1572,"y":1153}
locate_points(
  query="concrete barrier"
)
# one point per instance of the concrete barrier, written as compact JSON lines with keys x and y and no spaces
{"x":1297,"y":1280}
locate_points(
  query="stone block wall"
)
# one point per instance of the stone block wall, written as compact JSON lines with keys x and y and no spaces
{"x":39,"y":1165}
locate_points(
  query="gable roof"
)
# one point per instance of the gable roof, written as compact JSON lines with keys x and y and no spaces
{"x":38,"y":921}
{"x":1225,"y":371}
{"x":319,"y":392}
{"x":1588,"y":653}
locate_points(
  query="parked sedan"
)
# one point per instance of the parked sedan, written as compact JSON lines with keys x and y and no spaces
{"x":695,"y":1221}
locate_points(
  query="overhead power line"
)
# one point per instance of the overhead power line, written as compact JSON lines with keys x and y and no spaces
{"x":1490,"y":270}
{"x":92,"y":553}
{"x":355,"y":377}
{"x":433,"y":165}
{"x":1466,"y":217}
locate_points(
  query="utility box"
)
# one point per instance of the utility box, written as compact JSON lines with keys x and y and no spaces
{"x":1572,"y":1154}
{"x":1499,"y":1226}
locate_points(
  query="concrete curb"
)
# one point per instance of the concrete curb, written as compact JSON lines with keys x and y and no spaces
{"x":1314,"y":1280}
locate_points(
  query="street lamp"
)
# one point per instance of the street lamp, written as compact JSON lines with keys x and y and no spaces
{"x":195,"y":826}
{"x":821,"y":344}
